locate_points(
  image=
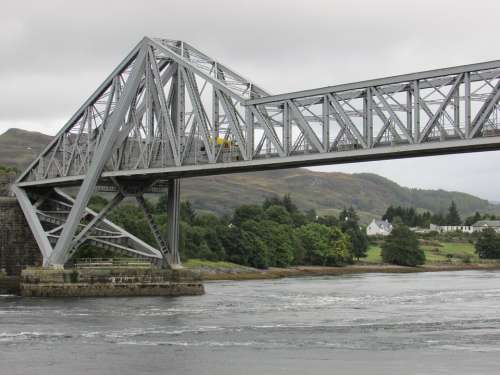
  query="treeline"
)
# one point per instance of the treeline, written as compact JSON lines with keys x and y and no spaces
{"x":412,"y":218}
{"x":273,"y":234}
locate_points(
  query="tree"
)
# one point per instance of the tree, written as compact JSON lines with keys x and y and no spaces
{"x":401,"y":247}
{"x":453,"y":217}
{"x":488,"y":244}
{"x":277,"y":214}
{"x":323,"y":245}
{"x":315,"y":239}
{"x":246,"y":248}
{"x":408,"y":215}
{"x":358,"y":240}
{"x":278,"y":238}
{"x":187,"y":212}
{"x":341,"y":247}
{"x":288,"y":204}
{"x":247,"y":212}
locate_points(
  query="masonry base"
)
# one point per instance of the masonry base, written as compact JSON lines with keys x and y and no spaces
{"x":109,"y":282}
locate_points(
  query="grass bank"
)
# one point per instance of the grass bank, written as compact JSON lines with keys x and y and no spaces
{"x":441,"y":256}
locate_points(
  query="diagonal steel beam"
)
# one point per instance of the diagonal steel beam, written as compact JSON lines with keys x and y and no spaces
{"x":393,"y":115}
{"x":306,"y":128}
{"x":140,"y":247}
{"x":101,"y":156}
{"x":160,"y":100}
{"x":234,"y":123}
{"x":186,"y":64}
{"x":199,"y":110}
{"x":268,"y":130}
{"x":485,"y":110}
{"x":80,"y":237}
{"x":95,"y":96}
{"x":432,"y":121}
{"x":345,"y":120}
{"x":165,"y":251}
{"x":33,"y":222}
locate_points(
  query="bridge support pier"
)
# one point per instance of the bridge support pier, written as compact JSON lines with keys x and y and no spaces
{"x":173,"y":220}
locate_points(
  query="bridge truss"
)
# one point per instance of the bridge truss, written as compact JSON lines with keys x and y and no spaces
{"x":169,"y":111}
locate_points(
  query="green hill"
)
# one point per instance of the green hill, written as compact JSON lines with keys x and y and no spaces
{"x":19,"y":147}
{"x":327,"y":192}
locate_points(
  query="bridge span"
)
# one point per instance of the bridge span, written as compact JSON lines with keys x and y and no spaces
{"x":168,"y":111}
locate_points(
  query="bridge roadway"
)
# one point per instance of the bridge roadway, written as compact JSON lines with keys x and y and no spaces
{"x":169,"y":111}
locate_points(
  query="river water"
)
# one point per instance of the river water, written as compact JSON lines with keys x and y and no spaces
{"x":422,"y":323}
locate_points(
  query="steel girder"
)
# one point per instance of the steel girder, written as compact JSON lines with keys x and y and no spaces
{"x":169,"y":111}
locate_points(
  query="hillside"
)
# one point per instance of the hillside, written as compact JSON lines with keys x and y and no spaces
{"x":327,"y":192}
{"x":19,"y":147}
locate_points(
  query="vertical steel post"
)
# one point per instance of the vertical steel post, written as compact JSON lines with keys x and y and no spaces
{"x":249,"y":121}
{"x":409,"y":114}
{"x":456,"y":109}
{"x":368,"y":117}
{"x":287,"y":127}
{"x":416,"y":110}
{"x":173,"y":211}
{"x":467,"y":106}
{"x":326,"y":124}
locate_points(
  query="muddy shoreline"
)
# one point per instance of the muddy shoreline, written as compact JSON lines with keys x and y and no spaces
{"x":301,"y":271}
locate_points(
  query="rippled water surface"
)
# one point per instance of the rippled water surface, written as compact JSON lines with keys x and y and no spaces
{"x":428,"y":323}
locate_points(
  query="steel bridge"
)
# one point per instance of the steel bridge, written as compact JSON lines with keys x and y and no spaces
{"x":169,"y":111}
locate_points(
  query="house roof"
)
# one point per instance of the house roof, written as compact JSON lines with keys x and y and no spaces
{"x":382,"y":224}
{"x":487,"y":223}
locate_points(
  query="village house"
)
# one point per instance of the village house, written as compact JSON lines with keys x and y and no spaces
{"x":379,"y":228}
{"x":483,"y":224}
{"x":451,"y":228}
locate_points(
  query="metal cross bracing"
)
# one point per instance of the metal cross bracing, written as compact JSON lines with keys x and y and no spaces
{"x":170,"y":111}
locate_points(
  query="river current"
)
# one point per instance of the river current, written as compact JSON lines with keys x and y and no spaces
{"x":421,"y":323}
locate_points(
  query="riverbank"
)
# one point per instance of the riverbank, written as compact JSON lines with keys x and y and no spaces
{"x":229,"y":271}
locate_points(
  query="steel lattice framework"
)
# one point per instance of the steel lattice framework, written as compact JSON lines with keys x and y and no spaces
{"x":169,"y":111}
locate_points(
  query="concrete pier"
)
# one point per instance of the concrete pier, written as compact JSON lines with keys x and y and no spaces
{"x":18,"y":248}
{"x":109,"y":282}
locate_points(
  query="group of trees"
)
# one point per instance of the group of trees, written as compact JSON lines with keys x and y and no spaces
{"x":277,"y":234}
{"x":410,"y":217}
{"x":477,"y":216}
{"x":273,"y":234}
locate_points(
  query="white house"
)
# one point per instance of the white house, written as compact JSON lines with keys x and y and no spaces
{"x":379,"y":228}
{"x":483,"y":224}
{"x":451,"y":228}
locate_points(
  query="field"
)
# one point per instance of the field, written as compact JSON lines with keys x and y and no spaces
{"x":436,"y":252}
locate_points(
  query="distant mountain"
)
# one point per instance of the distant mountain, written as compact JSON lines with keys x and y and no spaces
{"x":19,"y":147}
{"x":327,"y":192}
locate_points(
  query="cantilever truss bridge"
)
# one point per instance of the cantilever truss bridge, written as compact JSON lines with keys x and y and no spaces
{"x":169,"y":111}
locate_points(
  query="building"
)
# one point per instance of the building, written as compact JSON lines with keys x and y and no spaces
{"x":451,"y":228}
{"x":483,"y":224}
{"x":379,"y":228}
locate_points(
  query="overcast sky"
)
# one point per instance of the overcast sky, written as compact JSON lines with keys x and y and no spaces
{"x":55,"y":53}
